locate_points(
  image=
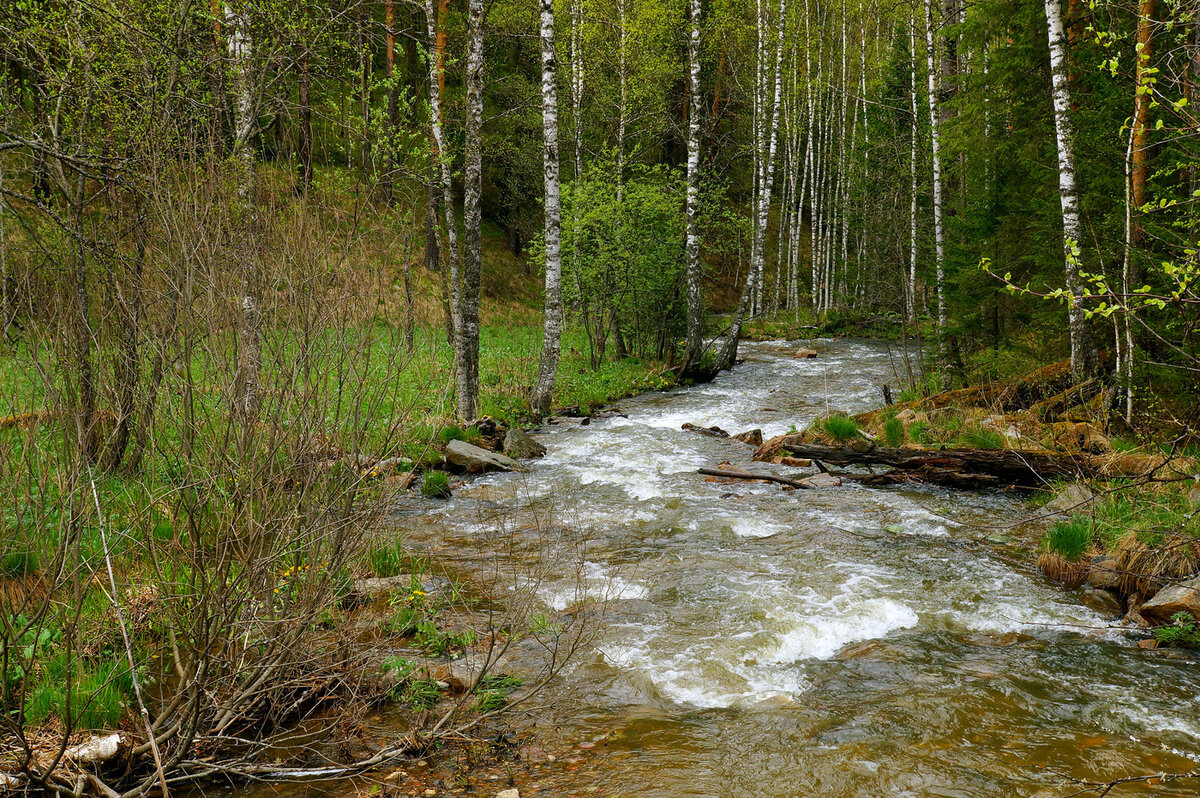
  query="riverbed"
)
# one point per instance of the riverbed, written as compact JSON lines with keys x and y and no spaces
{"x":843,"y":641}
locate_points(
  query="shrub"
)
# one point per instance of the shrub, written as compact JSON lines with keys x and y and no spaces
{"x":893,"y":432}
{"x":466,"y":434}
{"x":841,"y":428}
{"x":1183,"y":632}
{"x":421,"y":693}
{"x":18,"y":564}
{"x":1070,"y":539}
{"x":436,"y":485}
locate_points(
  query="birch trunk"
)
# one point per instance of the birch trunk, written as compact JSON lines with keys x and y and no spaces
{"x":245,"y":125}
{"x":695,"y":299}
{"x":765,"y":167}
{"x":543,"y":391}
{"x":1082,"y":353}
{"x":912,"y":220}
{"x":443,"y":166}
{"x":468,"y":333}
{"x":939,"y":235}
{"x":623,"y":111}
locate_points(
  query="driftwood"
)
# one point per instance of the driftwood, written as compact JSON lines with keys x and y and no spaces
{"x":716,"y":472}
{"x":962,"y":468}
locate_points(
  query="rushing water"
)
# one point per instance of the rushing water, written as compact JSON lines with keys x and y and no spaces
{"x":845,"y":641}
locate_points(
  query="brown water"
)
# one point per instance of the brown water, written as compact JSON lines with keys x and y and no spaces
{"x":842,"y":642}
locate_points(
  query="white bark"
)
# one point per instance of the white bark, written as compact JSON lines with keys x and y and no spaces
{"x":1082,"y":360}
{"x":939,"y":235}
{"x":695,"y":300}
{"x":467,"y":342}
{"x":623,"y":111}
{"x":436,"y":64}
{"x":912,"y":261}
{"x":543,"y":391}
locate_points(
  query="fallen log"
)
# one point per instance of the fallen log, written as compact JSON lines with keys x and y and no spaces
{"x":716,"y":472}
{"x":957,"y":467}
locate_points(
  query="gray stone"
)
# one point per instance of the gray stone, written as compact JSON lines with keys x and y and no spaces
{"x":477,"y":461}
{"x":508,"y":794}
{"x":1104,"y":574}
{"x":822,"y":481}
{"x":518,"y":444}
{"x":1104,"y":601}
{"x":1071,"y":499}
{"x":1181,"y":597}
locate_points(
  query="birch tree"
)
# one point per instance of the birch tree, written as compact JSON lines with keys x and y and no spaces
{"x":543,"y":391}
{"x":1082,"y":353}
{"x":939,"y":234}
{"x":442,"y":165}
{"x":695,"y":299}
{"x":467,"y":342}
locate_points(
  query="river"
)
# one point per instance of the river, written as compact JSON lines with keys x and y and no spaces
{"x":845,"y":641}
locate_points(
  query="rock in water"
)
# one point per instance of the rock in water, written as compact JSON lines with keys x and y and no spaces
{"x":712,"y":432}
{"x":508,"y":794}
{"x":753,"y":437}
{"x":477,"y":461}
{"x":1182,"y":597}
{"x":518,"y":444}
{"x":806,"y":354}
{"x":822,"y":481}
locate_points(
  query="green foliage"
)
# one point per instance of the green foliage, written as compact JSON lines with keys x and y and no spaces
{"x":421,"y":693}
{"x":893,"y":432}
{"x":436,"y":485}
{"x":1183,"y":631}
{"x":442,"y":643}
{"x":1070,"y":539}
{"x":841,"y":428}
{"x":454,"y":433}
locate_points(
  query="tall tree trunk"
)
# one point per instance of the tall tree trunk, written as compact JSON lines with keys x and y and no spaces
{"x":543,"y":391}
{"x":695,"y":298}
{"x":916,"y":132}
{"x":623,"y":110}
{"x":216,"y":81}
{"x":468,"y":331}
{"x":443,"y":165}
{"x":245,"y":126}
{"x":1083,"y":357}
{"x":393,"y":102}
{"x":1143,"y":95}
{"x":939,"y":234}
{"x":765,"y":168}
{"x":364,"y":86}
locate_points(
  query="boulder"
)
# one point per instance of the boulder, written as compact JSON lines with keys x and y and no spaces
{"x":822,"y":481}
{"x":806,"y":353}
{"x":461,"y":674}
{"x":518,"y":445}
{"x":477,"y":461}
{"x":753,"y":437}
{"x":1105,"y":573}
{"x":1104,"y":601}
{"x":508,"y":794}
{"x":773,"y":447}
{"x":1071,"y":499}
{"x":1181,"y":597}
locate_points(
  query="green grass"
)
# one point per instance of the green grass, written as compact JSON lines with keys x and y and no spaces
{"x":1070,"y":539}
{"x":980,"y":438}
{"x":893,"y":432}
{"x":436,"y":485}
{"x":841,"y":428}
{"x":387,"y":559}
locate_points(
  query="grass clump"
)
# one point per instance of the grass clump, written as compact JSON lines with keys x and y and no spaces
{"x":387,"y":559}
{"x":1070,"y":539}
{"x":980,"y":438}
{"x":436,"y":485}
{"x":893,"y":432}
{"x":841,"y":428}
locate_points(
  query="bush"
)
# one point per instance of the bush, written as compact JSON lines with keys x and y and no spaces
{"x":893,"y":432}
{"x":1070,"y":539}
{"x":18,"y":564}
{"x":436,"y":485}
{"x":1182,"y":632}
{"x":841,"y":428}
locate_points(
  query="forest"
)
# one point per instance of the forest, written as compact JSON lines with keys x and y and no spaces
{"x":265,"y":266}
